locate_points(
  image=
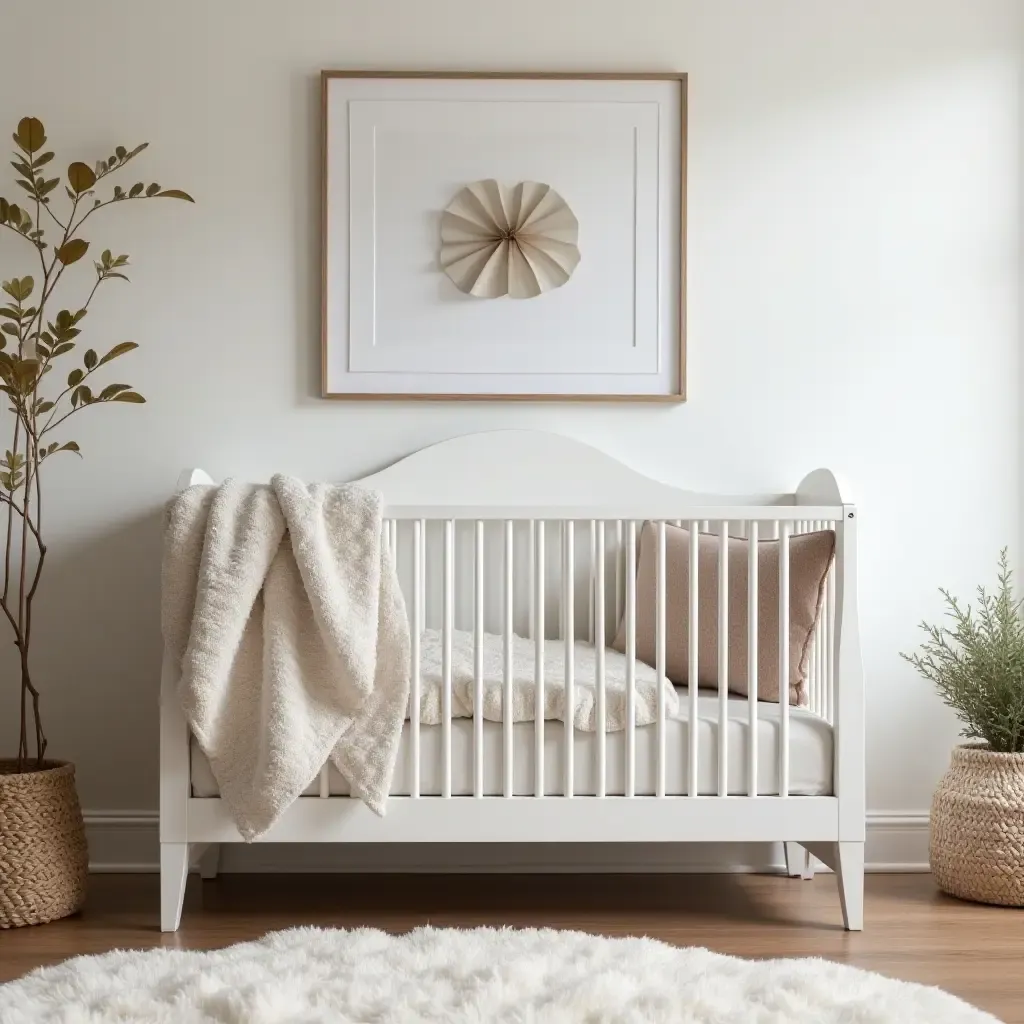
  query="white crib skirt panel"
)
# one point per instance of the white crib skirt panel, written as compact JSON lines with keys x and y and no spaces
{"x":810,"y":764}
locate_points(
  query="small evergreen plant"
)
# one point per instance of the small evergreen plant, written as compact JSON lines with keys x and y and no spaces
{"x":977,"y":664}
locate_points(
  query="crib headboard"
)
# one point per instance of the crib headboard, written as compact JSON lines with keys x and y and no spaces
{"x":515,"y":468}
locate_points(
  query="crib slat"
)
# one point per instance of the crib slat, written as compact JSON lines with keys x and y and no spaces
{"x":478,"y":665}
{"x":723,"y":659}
{"x":538,"y":663}
{"x":784,"y":529}
{"x":569,"y":613}
{"x":560,"y":593}
{"x":506,"y":703}
{"x":618,"y":573}
{"x":591,"y":589}
{"x":752,"y":564}
{"x":423,"y":572}
{"x":812,"y":655}
{"x":631,"y":659}
{"x":659,"y":657}
{"x":531,"y":577}
{"x":325,"y":782}
{"x":823,"y":640}
{"x":826,"y":705}
{"x":693,"y":667}
{"x":599,"y":668}
{"x":446,"y":659}
{"x":417,"y":632}
{"x":819,"y":642}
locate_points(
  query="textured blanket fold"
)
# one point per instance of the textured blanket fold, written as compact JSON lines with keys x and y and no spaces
{"x":284,"y":610}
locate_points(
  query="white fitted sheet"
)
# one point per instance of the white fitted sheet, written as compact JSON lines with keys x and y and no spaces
{"x":810,"y":756}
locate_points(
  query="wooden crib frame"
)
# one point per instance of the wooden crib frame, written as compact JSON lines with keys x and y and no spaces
{"x":545,"y":479}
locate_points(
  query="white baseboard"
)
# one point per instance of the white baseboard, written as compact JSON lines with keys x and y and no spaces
{"x":127,"y":841}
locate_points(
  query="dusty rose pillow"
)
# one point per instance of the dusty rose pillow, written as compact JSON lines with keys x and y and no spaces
{"x":810,"y":556}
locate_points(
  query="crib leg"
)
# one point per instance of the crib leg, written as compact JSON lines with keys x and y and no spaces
{"x":798,"y":861}
{"x":850,"y":875}
{"x":173,"y":876}
{"x":209,"y":861}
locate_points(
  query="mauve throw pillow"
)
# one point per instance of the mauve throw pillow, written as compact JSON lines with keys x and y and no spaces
{"x":810,"y":556}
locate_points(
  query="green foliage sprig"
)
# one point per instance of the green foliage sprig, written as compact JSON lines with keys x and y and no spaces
{"x":978,"y":665}
{"x":32,"y":338}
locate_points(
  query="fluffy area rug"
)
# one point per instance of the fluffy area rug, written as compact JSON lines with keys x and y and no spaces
{"x":312,"y":974}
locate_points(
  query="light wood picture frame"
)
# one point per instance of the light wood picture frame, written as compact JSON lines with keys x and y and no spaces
{"x":397,"y":146}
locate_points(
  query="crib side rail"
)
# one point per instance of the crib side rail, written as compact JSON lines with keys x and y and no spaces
{"x":530,"y":586}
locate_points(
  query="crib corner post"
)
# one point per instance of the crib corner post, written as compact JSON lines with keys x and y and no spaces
{"x":174,"y":793}
{"x":849,"y":754}
{"x":850,"y":767}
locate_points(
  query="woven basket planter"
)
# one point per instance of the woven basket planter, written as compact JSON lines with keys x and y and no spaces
{"x":977,"y":827}
{"x":43,"y":856}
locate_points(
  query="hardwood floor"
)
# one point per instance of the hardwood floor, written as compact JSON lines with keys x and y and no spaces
{"x":912,"y":931}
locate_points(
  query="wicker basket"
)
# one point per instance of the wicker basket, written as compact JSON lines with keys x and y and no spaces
{"x":977,"y":827}
{"x":43,"y":856}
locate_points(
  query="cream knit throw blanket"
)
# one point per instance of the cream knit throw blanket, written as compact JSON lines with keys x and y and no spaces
{"x":284,"y":610}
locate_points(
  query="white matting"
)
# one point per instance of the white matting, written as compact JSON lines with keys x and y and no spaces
{"x":310,"y":974}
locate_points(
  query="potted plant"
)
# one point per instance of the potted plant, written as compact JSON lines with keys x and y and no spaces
{"x":43,"y":858}
{"x":977,"y":819}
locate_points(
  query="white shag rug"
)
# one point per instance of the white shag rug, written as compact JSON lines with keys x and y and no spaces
{"x":483,"y":975}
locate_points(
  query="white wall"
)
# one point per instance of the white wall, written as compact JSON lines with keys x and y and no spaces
{"x":854,"y":284}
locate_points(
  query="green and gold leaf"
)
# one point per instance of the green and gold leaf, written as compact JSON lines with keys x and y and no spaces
{"x":31,"y":135}
{"x":175,"y":193}
{"x":129,"y":396}
{"x":118,"y":350}
{"x":81,"y":177}
{"x":72,"y":251}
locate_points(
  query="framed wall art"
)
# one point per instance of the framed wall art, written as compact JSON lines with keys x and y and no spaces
{"x":504,"y":236}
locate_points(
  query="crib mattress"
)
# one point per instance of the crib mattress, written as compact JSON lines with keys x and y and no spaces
{"x":810,"y":764}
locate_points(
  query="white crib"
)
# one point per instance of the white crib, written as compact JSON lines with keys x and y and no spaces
{"x":535,"y":534}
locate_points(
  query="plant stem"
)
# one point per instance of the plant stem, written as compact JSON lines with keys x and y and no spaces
{"x":30,"y":597}
{"x":22,"y":571}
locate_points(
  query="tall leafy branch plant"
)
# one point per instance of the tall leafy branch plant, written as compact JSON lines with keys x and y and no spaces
{"x":977,"y":664}
{"x":36,"y":332}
